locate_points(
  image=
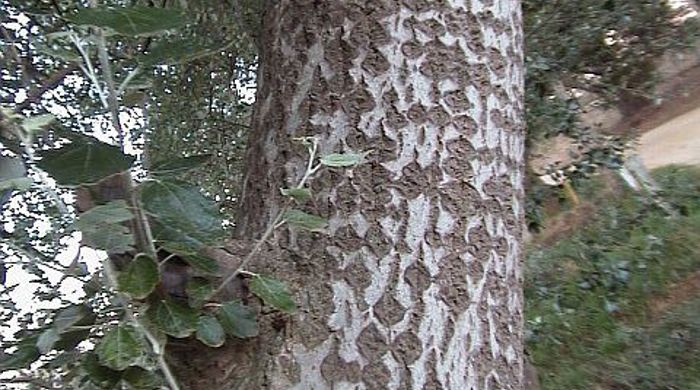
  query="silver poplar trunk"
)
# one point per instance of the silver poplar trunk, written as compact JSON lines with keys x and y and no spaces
{"x":418,"y":283}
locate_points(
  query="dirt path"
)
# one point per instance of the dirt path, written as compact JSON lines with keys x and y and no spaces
{"x":674,"y":142}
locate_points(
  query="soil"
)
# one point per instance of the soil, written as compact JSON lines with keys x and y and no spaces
{"x":679,"y":293}
{"x":670,"y":132}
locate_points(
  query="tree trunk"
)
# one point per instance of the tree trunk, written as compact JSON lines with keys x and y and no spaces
{"x":418,"y":283}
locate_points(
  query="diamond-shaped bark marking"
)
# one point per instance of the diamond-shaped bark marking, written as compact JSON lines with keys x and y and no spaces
{"x":359,"y":224}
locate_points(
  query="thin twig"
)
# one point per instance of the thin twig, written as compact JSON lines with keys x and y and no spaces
{"x":276,"y":223}
{"x":249,"y":257}
{"x":89,"y":70}
{"x":112,"y":101}
{"x":127,"y":80}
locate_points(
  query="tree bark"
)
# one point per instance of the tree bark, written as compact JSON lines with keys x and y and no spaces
{"x":417,"y":284}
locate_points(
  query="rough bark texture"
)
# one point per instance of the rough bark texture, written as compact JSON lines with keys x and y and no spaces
{"x":418,"y":283}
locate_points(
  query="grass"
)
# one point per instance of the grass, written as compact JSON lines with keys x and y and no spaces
{"x":589,"y":295}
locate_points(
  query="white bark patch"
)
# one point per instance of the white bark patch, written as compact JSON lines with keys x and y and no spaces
{"x":337,"y":127}
{"x":314,"y":58}
{"x":431,"y":332}
{"x":432,"y":258}
{"x":429,"y":147}
{"x":349,"y":321}
{"x":445,"y":222}
{"x":394,"y":370}
{"x":310,"y":361}
{"x":359,"y":224}
{"x":381,"y":271}
{"x":407,"y":141}
{"x":418,"y":218}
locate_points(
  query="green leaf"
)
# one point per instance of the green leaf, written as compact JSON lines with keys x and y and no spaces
{"x":177,"y":248}
{"x":119,"y":348}
{"x":110,"y":238}
{"x":238,"y":320}
{"x":20,"y":184}
{"x":133,"y":21}
{"x":202,"y":264}
{"x":179,"y":165}
{"x":72,"y":315}
{"x":26,"y":354}
{"x":70,"y":339}
{"x":46,"y":340}
{"x":84,"y":162}
{"x":273,"y":293}
{"x":198,"y":291}
{"x":153,"y":328}
{"x":140,"y":277}
{"x":303,"y":220}
{"x":173,"y":318}
{"x":114,"y":212}
{"x":210,"y":332}
{"x":38,"y":122}
{"x":343,"y":160}
{"x":182,"y":214}
{"x":300,"y":195}
{"x":179,"y":51}
{"x":13,"y":174}
{"x":100,"y":375}
{"x":141,"y":379}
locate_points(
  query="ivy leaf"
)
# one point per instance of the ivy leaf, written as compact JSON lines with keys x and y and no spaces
{"x":84,"y":162}
{"x":343,"y":160}
{"x":303,"y":220}
{"x":173,"y":318}
{"x":110,"y":238}
{"x":198,"y":291}
{"x":300,"y":195}
{"x":119,"y":348}
{"x":210,"y":332}
{"x":132,"y":21}
{"x":179,"y":165}
{"x":46,"y":340}
{"x":140,"y":277}
{"x":114,"y":212}
{"x":238,"y":320}
{"x":26,"y":354}
{"x":183,"y":214}
{"x":273,"y":293}
{"x":72,"y":315}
